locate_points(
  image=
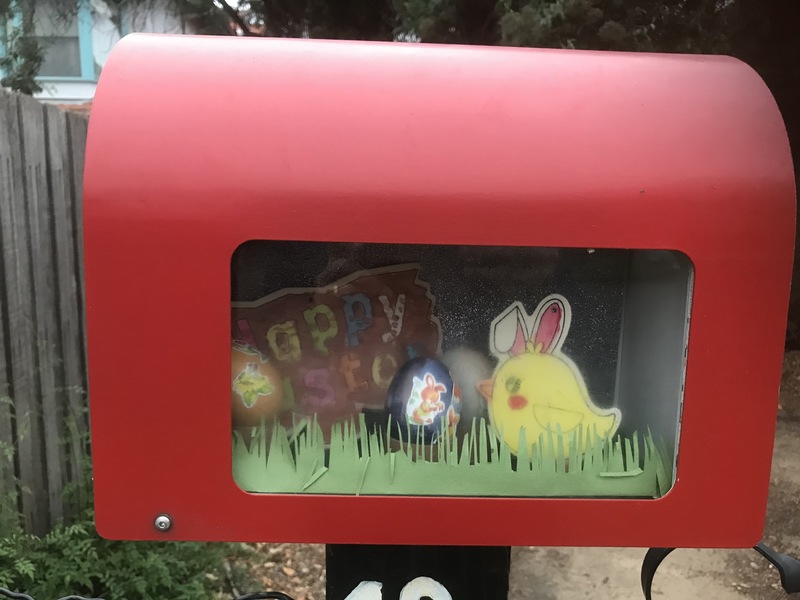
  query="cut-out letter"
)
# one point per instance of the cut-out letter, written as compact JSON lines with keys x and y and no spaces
{"x":283,"y":341}
{"x":395,"y":316}
{"x":320,"y":335}
{"x":356,"y":323}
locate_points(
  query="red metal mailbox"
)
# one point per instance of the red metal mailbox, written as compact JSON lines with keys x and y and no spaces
{"x":467,"y":295}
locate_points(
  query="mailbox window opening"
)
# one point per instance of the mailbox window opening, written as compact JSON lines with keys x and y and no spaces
{"x":457,"y":370}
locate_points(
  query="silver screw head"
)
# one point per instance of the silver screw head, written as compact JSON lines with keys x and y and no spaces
{"x":163,"y":522}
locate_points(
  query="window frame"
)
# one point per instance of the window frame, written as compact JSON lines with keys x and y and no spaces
{"x":5,"y":28}
{"x":84,"y":18}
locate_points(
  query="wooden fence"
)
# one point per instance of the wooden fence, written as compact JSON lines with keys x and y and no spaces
{"x":43,"y":400}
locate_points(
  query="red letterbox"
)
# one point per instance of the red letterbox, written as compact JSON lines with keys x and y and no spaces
{"x":398,"y":293}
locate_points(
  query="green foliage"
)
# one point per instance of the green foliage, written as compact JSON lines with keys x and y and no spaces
{"x":9,"y":514}
{"x":650,"y":25}
{"x":667,"y":26}
{"x":354,"y":19}
{"x":449,"y":21}
{"x":73,"y":559}
{"x":23,"y":53}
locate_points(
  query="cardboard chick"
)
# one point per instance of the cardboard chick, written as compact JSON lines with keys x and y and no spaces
{"x":537,"y":389}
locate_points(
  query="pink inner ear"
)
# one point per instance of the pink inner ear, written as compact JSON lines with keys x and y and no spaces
{"x":520,"y":338}
{"x":550,"y":325}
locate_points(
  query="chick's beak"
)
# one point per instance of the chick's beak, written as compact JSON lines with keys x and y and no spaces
{"x":485,"y":388}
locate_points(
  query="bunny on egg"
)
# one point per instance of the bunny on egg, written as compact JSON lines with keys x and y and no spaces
{"x":535,"y":387}
{"x":430,"y":405}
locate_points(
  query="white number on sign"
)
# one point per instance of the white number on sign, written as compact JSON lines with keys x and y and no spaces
{"x":421,"y":587}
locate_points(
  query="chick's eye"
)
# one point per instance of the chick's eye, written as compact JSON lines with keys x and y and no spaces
{"x":513,"y":384}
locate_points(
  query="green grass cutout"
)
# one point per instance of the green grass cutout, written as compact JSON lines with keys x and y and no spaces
{"x":361,"y":462}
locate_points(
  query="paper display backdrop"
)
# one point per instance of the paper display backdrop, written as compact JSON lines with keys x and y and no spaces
{"x":537,"y":392}
{"x":338,"y":347}
{"x":372,"y":337}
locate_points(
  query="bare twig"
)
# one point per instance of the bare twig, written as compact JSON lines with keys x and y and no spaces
{"x":235,"y":17}
{"x":229,"y":574}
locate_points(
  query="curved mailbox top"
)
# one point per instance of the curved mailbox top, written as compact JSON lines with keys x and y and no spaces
{"x":254,"y":120}
{"x":198,"y":145}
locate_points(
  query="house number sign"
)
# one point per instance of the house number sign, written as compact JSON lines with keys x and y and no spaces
{"x":416,"y":589}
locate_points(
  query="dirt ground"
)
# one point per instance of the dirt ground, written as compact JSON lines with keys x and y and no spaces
{"x":613,"y":573}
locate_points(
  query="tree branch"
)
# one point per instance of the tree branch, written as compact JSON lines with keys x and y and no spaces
{"x":234,"y":16}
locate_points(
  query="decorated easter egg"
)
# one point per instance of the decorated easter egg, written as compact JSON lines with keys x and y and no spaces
{"x":256,"y":387}
{"x":423,"y":401}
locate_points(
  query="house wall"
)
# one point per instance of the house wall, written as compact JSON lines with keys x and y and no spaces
{"x":153,"y":16}
{"x":66,"y":92}
{"x":101,"y":26}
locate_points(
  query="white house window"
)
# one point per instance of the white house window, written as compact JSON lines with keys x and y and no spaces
{"x":56,"y":29}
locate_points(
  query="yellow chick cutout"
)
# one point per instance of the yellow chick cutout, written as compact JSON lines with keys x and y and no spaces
{"x":535,"y":387}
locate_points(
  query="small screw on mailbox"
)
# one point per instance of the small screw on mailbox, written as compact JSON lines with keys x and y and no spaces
{"x":163,"y":522}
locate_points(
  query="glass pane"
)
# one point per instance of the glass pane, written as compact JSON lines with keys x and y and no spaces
{"x":456,"y":370}
{"x":54,"y":18}
{"x":62,"y":57}
{"x":56,"y":29}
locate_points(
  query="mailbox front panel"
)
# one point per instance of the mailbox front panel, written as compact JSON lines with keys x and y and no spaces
{"x":521,"y":297}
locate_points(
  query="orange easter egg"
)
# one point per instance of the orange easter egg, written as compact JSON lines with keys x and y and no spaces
{"x":256,"y":387}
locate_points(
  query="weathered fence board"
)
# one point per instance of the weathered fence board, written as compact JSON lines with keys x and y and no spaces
{"x":7,"y":475}
{"x":38,"y":204}
{"x":42,"y":342}
{"x":69,"y":286}
{"x":77,"y":150}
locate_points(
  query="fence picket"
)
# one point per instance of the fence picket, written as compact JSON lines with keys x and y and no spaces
{"x":69,"y":286}
{"x":78,"y":128}
{"x":7,"y":474}
{"x":47,"y":342}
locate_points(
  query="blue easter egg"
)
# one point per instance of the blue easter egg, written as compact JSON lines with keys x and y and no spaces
{"x":423,"y":401}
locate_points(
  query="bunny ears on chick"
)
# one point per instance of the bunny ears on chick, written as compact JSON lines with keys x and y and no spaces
{"x":515,"y":332}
